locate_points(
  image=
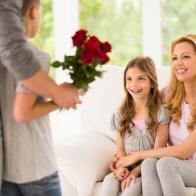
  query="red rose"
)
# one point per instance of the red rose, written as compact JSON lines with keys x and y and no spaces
{"x":79,"y":37}
{"x":90,"y":52}
{"x":106,"y":47}
{"x":95,"y":40}
{"x":90,"y":45}
{"x":102,"y":57}
{"x":87,"y":57}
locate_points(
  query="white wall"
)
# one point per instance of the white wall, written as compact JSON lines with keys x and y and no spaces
{"x":151,"y":25}
{"x":66,"y":22}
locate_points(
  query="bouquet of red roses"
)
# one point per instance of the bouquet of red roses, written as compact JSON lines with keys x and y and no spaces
{"x":90,"y":52}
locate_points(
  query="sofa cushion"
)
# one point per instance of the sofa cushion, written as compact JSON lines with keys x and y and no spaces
{"x":66,"y":187}
{"x":102,"y":100}
{"x":85,"y":160}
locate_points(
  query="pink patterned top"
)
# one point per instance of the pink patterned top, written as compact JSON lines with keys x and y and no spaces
{"x":177,"y":134}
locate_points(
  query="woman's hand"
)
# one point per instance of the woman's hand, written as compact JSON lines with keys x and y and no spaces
{"x":128,"y":160}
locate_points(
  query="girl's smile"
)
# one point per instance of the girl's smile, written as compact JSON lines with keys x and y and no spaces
{"x":137,"y":84}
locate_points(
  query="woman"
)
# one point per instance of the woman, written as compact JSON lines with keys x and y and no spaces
{"x":174,"y":167}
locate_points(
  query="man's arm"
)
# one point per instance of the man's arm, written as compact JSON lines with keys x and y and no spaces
{"x":14,"y":52}
{"x":27,"y":108}
{"x":64,"y":95}
{"x":20,"y":61}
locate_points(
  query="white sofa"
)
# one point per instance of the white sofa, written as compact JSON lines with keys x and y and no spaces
{"x":83,"y":160}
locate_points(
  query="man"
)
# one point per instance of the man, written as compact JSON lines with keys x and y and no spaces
{"x":19,"y":60}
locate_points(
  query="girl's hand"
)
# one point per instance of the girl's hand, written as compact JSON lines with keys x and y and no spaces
{"x":121,"y":173}
{"x":131,"y":178}
{"x":128,"y":160}
{"x":112,"y":165}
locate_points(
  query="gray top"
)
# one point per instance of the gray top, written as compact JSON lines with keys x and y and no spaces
{"x":29,"y":153}
{"x":0,"y":126}
{"x":140,"y":138}
{"x":14,"y":52}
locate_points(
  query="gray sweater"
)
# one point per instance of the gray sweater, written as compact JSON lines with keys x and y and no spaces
{"x":14,"y":52}
{"x":28,"y":147}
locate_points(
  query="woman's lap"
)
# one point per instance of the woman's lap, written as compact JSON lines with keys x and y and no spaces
{"x":168,"y":176}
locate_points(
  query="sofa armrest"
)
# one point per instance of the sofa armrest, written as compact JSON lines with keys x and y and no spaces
{"x":66,"y":187}
{"x":85,"y":160}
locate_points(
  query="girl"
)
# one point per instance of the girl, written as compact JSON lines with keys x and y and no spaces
{"x":141,"y":122}
{"x":176,"y":167}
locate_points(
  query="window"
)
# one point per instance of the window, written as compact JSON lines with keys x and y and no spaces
{"x":44,"y":39}
{"x":117,"y":21}
{"x":177,"y":18}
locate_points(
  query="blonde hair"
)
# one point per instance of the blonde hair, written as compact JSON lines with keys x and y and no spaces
{"x":176,"y":91}
{"x":127,"y":110}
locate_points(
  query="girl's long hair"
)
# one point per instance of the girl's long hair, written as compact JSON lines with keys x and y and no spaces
{"x":176,"y":92}
{"x":127,"y":111}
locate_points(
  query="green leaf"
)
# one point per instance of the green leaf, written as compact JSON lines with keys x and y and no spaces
{"x":79,"y":52}
{"x":56,"y":64}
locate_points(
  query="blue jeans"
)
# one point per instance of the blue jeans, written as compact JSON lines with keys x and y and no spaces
{"x":48,"y":186}
{"x":1,"y":152}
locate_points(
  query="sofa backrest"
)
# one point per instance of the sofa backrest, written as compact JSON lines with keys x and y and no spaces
{"x":105,"y":96}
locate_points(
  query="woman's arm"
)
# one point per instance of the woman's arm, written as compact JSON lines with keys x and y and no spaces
{"x":181,"y":151}
{"x":161,"y":138}
{"x":26,"y":108}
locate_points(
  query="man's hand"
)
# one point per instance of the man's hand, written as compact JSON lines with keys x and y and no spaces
{"x":68,"y":96}
{"x":64,"y":95}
